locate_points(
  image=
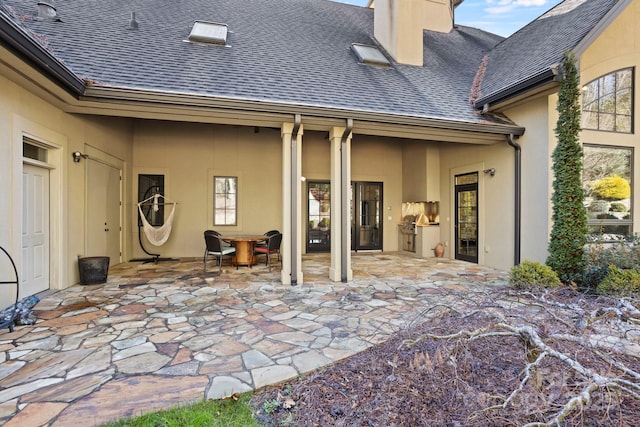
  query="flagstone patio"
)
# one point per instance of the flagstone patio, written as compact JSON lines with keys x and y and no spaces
{"x":164,"y":334}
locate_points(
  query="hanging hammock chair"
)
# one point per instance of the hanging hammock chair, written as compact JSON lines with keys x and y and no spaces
{"x":157,"y":236}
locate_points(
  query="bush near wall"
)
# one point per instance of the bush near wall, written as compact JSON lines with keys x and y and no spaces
{"x":530,"y":273}
{"x":620,"y":282}
{"x":602,"y":259}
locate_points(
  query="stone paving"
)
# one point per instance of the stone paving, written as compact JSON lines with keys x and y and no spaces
{"x":160,"y":335}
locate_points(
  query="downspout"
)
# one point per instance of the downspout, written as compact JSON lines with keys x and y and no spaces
{"x":345,"y":226}
{"x":518,"y":198}
{"x":294,"y":199}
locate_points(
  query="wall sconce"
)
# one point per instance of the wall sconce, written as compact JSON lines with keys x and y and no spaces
{"x":77,"y":155}
{"x":491,"y":171}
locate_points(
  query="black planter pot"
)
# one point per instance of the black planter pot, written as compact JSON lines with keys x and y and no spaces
{"x":93,"y":269}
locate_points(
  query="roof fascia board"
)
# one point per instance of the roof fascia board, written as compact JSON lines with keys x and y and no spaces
{"x":21,"y":44}
{"x":550,"y":75}
{"x":272,"y":120}
{"x":515,"y":100}
{"x":137,"y":98}
{"x":599,"y":28}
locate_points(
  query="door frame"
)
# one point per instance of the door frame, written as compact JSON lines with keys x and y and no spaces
{"x":53,"y":142}
{"x":356,"y":215}
{"x":450,"y":217}
{"x":97,"y":155}
{"x":456,"y":190}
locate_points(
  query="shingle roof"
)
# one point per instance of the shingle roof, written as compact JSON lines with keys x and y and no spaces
{"x":289,"y":51}
{"x":540,"y":45}
{"x":298,"y":52}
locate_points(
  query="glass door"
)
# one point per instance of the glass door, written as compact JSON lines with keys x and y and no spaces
{"x":366,"y":221}
{"x":319,"y":216}
{"x":466,"y":221}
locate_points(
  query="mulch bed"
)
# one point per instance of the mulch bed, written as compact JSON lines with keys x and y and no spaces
{"x":415,"y":380}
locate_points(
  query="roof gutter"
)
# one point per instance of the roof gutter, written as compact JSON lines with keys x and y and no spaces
{"x":22,"y":44}
{"x":518,"y":199}
{"x":552,"y":74}
{"x":104,"y":94}
{"x":294,"y":199}
{"x":345,"y":185}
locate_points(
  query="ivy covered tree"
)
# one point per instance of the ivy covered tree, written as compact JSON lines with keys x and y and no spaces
{"x":568,"y":234}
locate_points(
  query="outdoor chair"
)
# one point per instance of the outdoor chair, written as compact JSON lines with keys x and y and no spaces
{"x":272,"y":247}
{"x":269,"y":233}
{"x":214,"y":247}
{"x":219,"y":235}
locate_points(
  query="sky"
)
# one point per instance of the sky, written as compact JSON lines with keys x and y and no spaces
{"x":503,"y":17}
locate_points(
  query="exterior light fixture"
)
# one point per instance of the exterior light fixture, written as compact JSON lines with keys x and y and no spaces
{"x":491,"y":171}
{"x":78,"y":155}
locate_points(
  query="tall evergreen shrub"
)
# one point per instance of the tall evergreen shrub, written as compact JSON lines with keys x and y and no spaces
{"x":568,"y":234}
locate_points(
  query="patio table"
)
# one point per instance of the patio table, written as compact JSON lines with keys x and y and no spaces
{"x":244,"y":248}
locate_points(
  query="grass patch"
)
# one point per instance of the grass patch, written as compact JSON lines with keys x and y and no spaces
{"x":211,"y":413}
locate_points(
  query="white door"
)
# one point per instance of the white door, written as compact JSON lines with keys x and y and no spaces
{"x":103,"y":211}
{"x":35,"y":230}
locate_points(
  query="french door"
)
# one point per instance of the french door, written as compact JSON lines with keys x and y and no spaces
{"x":365,"y":211}
{"x":366,"y":215}
{"x":466,"y":217}
{"x":319,"y":216}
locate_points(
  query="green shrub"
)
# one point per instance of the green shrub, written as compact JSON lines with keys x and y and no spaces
{"x":620,"y":281}
{"x":530,"y":273}
{"x":569,"y":216}
{"x":612,"y":188}
{"x":617,"y":207}
{"x":599,"y":255}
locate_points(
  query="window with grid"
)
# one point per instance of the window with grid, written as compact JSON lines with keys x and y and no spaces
{"x":607,"y":102}
{"x":225,"y":204}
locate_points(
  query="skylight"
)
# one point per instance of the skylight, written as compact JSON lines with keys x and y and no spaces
{"x":209,"y":32}
{"x":370,"y":55}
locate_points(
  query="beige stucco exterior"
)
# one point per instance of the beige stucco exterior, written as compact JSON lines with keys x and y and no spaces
{"x":617,"y":47}
{"x":414,"y":165}
{"x":25,"y":114}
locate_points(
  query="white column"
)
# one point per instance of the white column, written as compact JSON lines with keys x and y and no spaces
{"x":340,"y":248}
{"x":291,"y":215}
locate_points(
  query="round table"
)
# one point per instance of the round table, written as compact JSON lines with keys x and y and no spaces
{"x":244,"y":248}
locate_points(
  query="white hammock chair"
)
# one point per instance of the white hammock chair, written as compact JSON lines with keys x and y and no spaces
{"x":157,"y":236}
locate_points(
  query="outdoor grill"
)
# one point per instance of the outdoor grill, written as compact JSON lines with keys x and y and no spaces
{"x":408,"y":231}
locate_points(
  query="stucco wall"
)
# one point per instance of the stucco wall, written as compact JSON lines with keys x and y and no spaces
{"x":495,"y":199}
{"x":379,"y":159}
{"x":189,"y":155}
{"x":22,"y":113}
{"x":617,"y":47}
{"x":538,"y":117}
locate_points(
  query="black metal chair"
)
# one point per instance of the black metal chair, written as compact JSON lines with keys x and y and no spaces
{"x":263,"y":244}
{"x":214,"y":247}
{"x":272,"y":247}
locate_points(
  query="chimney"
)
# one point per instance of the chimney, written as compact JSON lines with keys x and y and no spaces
{"x":399,"y":24}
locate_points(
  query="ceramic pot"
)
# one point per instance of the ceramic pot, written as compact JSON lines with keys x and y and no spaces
{"x":438,"y":251}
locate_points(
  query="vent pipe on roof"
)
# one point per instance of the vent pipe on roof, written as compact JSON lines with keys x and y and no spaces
{"x":46,"y":10}
{"x":133,"y":24}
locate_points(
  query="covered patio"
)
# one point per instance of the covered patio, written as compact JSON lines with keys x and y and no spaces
{"x":159,"y":335}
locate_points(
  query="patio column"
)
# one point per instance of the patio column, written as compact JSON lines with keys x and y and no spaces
{"x":340,"y":269}
{"x":291,"y":248}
